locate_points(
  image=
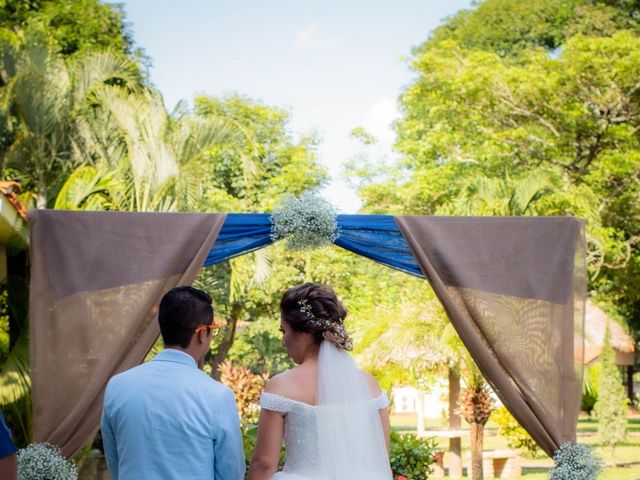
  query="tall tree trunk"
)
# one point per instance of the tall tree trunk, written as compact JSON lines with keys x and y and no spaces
{"x":227,"y":340}
{"x":475,"y":405}
{"x":477,"y":440}
{"x":41,"y":198}
{"x":455,"y":423}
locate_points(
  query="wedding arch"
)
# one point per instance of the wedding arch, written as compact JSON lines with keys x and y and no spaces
{"x":513,"y":288}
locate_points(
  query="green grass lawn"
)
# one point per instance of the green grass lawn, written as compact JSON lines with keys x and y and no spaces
{"x":537,"y":469}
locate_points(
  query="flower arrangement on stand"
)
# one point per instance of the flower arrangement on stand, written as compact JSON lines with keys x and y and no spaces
{"x":575,"y":461}
{"x":43,"y":461}
{"x":307,"y":222}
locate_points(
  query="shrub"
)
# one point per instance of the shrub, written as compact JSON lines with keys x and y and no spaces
{"x":611,"y":407}
{"x":42,"y":461}
{"x":590,"y":387}
{"x":411,"y":456}
{"x":249,"y":437}
{"x":247,"y":387}
{"x":517,"y":437}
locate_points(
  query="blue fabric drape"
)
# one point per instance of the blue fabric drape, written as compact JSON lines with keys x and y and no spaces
{"x":241,"y":233}
{"x":377,"y":237}
{"x":373,"y":236}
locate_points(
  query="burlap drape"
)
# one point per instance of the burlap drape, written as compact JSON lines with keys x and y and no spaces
{"x":514,"y":289}
{"x":96,"y":281}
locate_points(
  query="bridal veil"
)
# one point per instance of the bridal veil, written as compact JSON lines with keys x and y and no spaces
{"x":350,"y":436}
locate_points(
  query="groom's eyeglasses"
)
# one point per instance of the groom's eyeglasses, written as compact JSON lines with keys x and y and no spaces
{"x":212,"y":327}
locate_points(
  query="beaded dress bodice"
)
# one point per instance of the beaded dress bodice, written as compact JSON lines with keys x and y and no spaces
{"x":301,"y":433}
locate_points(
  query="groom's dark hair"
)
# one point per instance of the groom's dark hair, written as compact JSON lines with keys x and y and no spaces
{"x":182,"y":310}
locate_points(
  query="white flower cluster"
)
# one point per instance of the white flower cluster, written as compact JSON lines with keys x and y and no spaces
{"x":43,"y":461}
{"x":575,"y":461}
{"x":308,"y":222}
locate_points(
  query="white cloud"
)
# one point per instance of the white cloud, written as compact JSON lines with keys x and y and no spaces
{"x":310,"y":37}
{"x":379,"y":119}
{"x":305,"y":37}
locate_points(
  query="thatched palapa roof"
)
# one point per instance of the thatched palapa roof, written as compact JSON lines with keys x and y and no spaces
{"x":595,"y":325}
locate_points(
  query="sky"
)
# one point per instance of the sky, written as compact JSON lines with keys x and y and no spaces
{"x":334,"y":65}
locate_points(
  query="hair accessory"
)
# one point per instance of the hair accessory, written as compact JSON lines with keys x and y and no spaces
{"x":305,"y":307}
{"x":332,"y":331}
{"x":324,"y":323}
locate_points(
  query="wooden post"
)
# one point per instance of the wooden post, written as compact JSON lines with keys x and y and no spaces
{"x":455,"y":444}
{"x":630,"y":391}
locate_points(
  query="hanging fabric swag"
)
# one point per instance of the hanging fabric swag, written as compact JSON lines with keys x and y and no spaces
{"x":512,"y":287}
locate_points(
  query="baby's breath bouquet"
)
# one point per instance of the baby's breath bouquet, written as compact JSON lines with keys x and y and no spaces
{"x":308,"y":222}
{"x":43,"y":461}
{"x":575,"y":461}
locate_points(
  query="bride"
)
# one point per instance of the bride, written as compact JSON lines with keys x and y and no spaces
{"x":332,"y":417}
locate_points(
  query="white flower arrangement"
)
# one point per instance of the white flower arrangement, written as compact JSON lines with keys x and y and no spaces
{"x":308,"y":222}
{"x":575,"y":461}
{"x":43,"y":461}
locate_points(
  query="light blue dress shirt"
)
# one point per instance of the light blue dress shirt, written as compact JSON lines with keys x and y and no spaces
{"x":166,"y":419}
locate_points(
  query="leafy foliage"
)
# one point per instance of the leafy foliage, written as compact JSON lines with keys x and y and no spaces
{"x":517,"y":437}
{"x":258,"y":346}
{"x":247,"y":387}
{"x":590,"y":387}
{"x":611,"y":406}
{"x":103,"y":25}
{"x":528,"y":109}
{"x":508,"y":27}
{"x":411,"y":456}
{"x":45,"y":101}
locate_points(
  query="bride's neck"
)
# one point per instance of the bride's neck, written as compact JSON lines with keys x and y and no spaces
{"x":311,"y":355}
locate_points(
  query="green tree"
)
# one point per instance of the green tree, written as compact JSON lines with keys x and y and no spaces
{"x":475,"y":123}
{"x":287,"y":165}
{"x":101,"y":26}
{"x":509,"y":27}
{"x":284,"y":165}
{"x":44,"y":98}
{"x":611,"y":406}
{"x":142,"y":158}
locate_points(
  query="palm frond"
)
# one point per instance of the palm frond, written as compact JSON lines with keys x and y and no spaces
{"x":87,"y":185}
{"x":96,"y":68}
{"x":15,"y":382}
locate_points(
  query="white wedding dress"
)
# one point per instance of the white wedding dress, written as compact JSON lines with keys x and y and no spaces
{"x":342,"y":436}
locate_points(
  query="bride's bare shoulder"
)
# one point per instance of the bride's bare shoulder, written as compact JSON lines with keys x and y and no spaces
{"x":282,"y":383}
{"x":294,"y":384}
{"x":373,"y":385}
{"x":278,"y":383}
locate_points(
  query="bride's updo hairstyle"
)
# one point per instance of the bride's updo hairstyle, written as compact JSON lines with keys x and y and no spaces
{"x":314,"y":308}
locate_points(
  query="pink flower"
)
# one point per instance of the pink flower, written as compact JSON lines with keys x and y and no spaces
{"x":401,"y":477}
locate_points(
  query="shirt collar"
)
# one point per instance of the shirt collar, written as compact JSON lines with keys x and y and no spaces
{"x":176,"y":356}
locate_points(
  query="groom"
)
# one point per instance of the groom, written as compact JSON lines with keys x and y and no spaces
{"x":166,"y":419}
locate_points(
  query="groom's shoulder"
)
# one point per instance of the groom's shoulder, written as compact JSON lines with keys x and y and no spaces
{"x":194,"y":380}
{"x":202,"y":380}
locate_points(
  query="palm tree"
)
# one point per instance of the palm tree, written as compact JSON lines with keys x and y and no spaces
{"x":498,"y":196}
{"x":502,"y":196}
{"x":475,"y":405}
{"x":145,"y":159}
{"x":419,"y":339}
{"x":42,"y":97}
